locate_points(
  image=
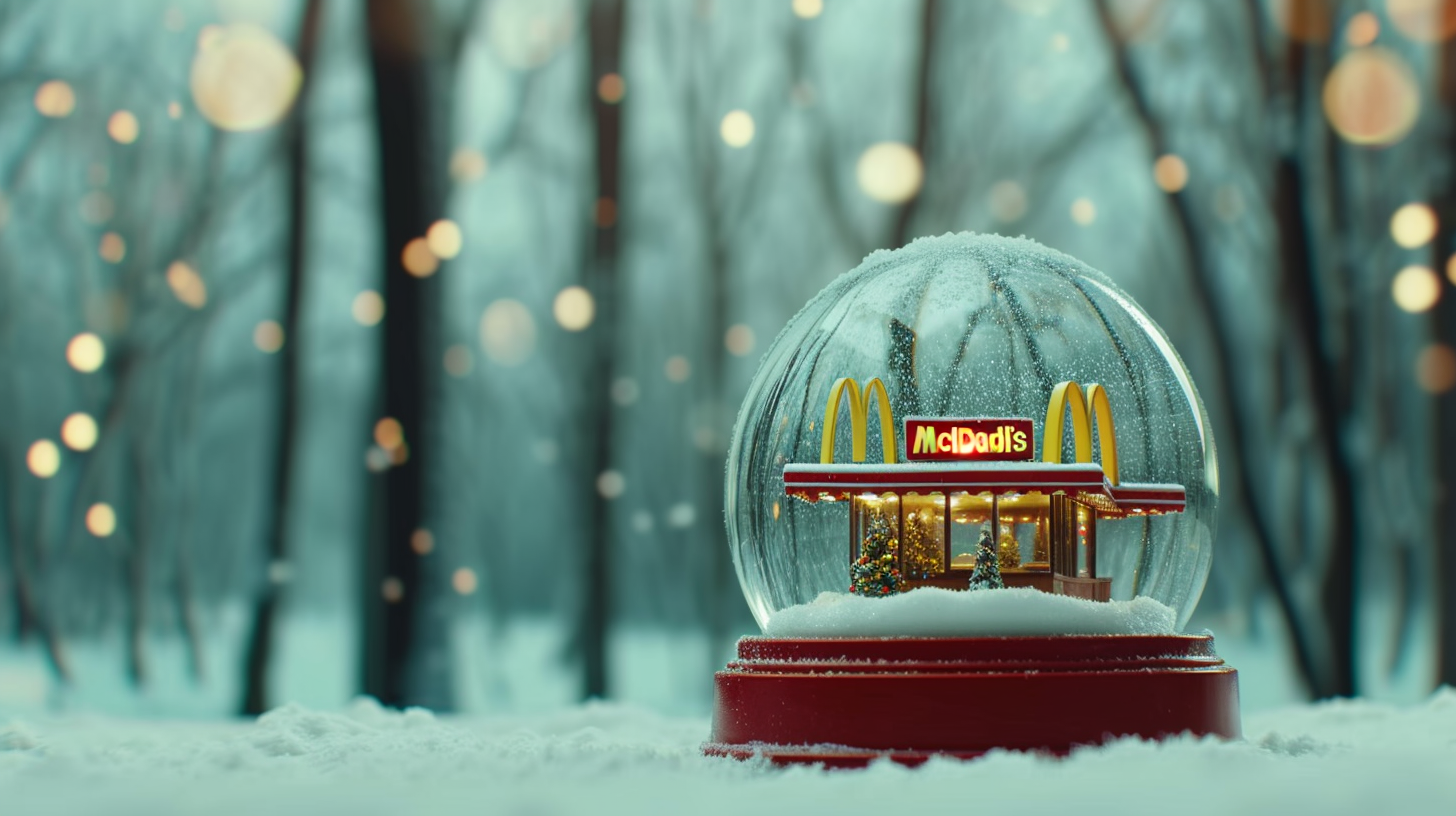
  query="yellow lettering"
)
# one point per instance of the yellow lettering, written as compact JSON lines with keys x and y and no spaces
{"x":998,"y":440}
{"x":925,"y":439}
{"x":965,"y":440}
{"x":945,"y":441}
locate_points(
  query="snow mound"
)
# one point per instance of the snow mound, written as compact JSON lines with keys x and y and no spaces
{"x":603,"y":759}
{"x":933,"y":612}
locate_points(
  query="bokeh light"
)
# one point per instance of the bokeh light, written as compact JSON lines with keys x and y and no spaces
{"x":1371,"y":97}
{"x":101,"y":520}
{"x":417,"y":258}
{"x":1007,"y":201}
{"x":737,"y":128}
{"x":808,"y":9}
{"x":43,"y":458}
{"x":85,"y":352}
{"x":604,"y":213}
{"x":1084,"y":212}
{"x":1362,"y":29}
{"x":444,"y":239}
{"x":123,"y":127}
{"x":1170,"y":173}
{"x":458,"y":360}
{"x":422,"y":541}
{"x":391,"y":589}
{"x":739,"y":340}
{"x":186,"y":284}
{"x":112,"y":248}
{"x":1415,"y":289}
{"x":677,"y":368}
{"x":574,"y":308}
{"x":611,"y":88}
{"x":890,"y":172}
{"x":55,"y":99}
{"x":507,"y":332}
{"x":388,"y":433}
{"x":243,"y":77}
{"x":463,"y":581}
{"x":1451,"y":269}
{"x":611,"y":484}
{"x":1436,"y":368}
{"x":1413,"y":225}
{"x":468,"y":165}
{"x":1425,"y":21}
{"x":268,"y":336}
{"x":79,"y":432}
{"x":367,"y":308}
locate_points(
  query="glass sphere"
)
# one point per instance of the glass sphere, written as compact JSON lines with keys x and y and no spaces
{"x":968,"y":326}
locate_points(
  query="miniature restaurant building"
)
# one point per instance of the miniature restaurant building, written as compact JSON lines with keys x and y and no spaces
{"x":963,"y":476}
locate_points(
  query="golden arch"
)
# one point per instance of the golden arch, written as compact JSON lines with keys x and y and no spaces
{"x":1093,"y":405}
{"x":859,"y":408}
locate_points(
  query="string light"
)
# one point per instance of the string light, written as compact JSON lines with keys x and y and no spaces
{"x":1416,"y":289}
{"x":1371,"y":97}
{"x":1170,"y":173}
{"x":79,"y":432}
{"x":739,"y":340}
{"x":123,"y":127}
{"x":367,"y":308}
{"x":243,"y":78}
{"x":55,"y":99}
{"x":507,"y":332}
{"x":1413,"y":225}
{"x":268,"y":336}
{"x":1084,"y":212}
{"x":186,"y":284}
{"x":677,"y":368}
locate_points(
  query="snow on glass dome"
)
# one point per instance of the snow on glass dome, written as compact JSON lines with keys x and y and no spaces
{"x":971,"y":334}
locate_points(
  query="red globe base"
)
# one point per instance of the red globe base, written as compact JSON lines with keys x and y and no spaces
{"x":844,"y":702}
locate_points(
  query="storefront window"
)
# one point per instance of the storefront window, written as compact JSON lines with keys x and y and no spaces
{"x":922,"y":546}
{"x":1024,"y":541}
{"x":969,"y":515}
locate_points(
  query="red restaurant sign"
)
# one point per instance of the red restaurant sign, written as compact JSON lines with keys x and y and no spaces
{"x":980,"y":439}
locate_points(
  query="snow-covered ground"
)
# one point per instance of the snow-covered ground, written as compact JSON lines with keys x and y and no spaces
{"x":1340,"y":758}
{"x":934,"y":612}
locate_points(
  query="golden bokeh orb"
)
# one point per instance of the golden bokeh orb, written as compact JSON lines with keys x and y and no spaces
{"x":43,"y":458}
{"x":101,"y":520}
{"x":1413,"y":225}
{"x":243,"y":77}
{"x":736,"y":128}
{"x":1371,"y":97}
{"x":85,"y":352}
{"x":1425,"y":21}
{"x":1415,"y":289}
{"x":574,"y":308}
{"x":79,"y":432}
{"x":367,"y":308}
{"x":444,"y":239}
{"x":55,"y":99}
{"x":1170,"y":173}
{"x":890,"y":172}
{"x":1436,"y":368}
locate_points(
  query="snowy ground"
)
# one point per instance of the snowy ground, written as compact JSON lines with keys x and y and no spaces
{"x":1353,"y":757}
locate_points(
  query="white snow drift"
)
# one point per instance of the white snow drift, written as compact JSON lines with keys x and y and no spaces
{"x":932,"y":612}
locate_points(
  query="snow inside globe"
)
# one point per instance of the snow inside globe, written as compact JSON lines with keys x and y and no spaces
{"x":971,"y":436}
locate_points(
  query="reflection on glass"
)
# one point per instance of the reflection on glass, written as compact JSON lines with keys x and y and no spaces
{"x":1023,"y":542}
{"x":968,"y":515}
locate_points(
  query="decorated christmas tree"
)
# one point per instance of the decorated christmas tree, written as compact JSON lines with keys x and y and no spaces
{"x":924,"y":555}
{"x":987,"y":574}
{"x":1009,"y":553}
{"x":874,"y":573}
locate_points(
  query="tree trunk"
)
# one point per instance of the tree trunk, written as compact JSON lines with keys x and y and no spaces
{"x":290,"y":383}
{"x":605,"y":27}
{"x":409,"y":200}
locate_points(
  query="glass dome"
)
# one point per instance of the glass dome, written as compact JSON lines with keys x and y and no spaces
{"x":969,"y":326}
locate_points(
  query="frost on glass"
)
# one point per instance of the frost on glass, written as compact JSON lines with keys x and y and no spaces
{"x":968,"y":325}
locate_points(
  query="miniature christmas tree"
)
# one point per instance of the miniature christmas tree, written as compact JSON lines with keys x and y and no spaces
{"x":923,"y":553}
{"x":987,"y":574}
{"x":1009,"y":549}
{"x":875,"y":573}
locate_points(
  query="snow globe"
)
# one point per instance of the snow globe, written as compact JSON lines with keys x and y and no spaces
{"x":969,"y":470}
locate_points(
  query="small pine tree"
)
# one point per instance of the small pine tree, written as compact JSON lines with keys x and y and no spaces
{"x":987,"y":574}
{"x":874,"y":574}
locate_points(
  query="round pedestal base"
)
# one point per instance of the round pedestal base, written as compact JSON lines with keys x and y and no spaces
{"x":846,"y":701}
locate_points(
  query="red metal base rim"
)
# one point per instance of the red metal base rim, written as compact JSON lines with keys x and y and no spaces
{"x":844,"y":702}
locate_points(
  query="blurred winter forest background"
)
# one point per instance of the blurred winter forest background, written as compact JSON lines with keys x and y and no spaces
{"x":393,"y":346}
